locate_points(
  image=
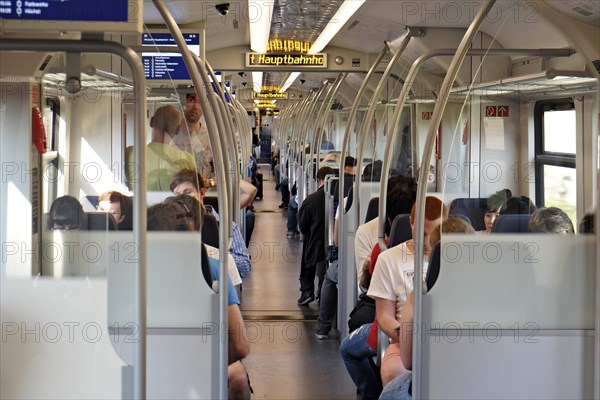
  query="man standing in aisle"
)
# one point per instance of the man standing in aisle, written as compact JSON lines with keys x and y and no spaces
{"x":193,"y":136}
{"x":311,"y":221}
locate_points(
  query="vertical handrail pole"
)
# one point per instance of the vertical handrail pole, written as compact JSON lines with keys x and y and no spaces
{"x":436,"y":119}
{"x":223,"y":183}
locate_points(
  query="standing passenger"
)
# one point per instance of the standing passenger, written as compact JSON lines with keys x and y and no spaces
{"x":193,"y":136}
{"x":162,"y":160}
{"x":311,"y":220}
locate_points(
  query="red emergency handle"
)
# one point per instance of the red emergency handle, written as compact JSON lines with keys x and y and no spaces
{"x":38,"y":130}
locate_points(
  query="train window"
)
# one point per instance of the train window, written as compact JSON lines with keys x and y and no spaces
{"x":555,"y":143}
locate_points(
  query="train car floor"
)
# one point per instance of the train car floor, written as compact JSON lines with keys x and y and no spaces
{"x":286,"y":360}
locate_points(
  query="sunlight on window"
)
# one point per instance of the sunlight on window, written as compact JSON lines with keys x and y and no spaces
{"x":559,"y":131}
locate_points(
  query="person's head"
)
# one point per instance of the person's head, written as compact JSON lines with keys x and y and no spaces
{"x":188,"y":182}
{"x":495,"y":204}
{"x":66,"y":213}
{"x":401,"y":196}
{"x":192,"y":109}
{"x":518,"y":205}
{"x":435,"y":213}
{"x":350,"y":165}
{"x":453,"y":224}
{"x":322,"y":173}
{"x":372,"y":172}
{"x":114,"y":203}
{"x":166,"y":120}
{"x":550,"y":220}
{"x":192,"y":206}
{"x":586,"y":225}
{"x":169,"y":216}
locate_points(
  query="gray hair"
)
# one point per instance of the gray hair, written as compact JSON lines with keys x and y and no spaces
{"x":550,"y":220}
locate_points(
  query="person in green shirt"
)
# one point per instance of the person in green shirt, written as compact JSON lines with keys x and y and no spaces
{"x":163,"y":160}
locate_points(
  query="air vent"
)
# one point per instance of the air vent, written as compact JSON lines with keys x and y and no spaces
{"x":597,"y":65}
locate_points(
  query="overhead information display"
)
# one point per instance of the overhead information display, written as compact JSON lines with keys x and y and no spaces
{"x":71,"y":15}
{"x":66,"y":10}
{"x":165,"y":65}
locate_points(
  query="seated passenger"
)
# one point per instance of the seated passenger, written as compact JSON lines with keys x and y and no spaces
{"x":518,"y":205}
{"x":372,"y":172}
{"x":393,"y":279}
{"x":171,"y":216}
{"x":162,"y":159}
{"x":191,"y":183}
{"x":496,"y":203}
{"x":66,"y":213}
{"x":399,"y":387}
{"x":586,"y":225}
{"x":550,"y":220}
{"x":195,"y":211}
{"x":119,"y":206}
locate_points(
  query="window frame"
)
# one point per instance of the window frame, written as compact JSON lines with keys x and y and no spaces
{"x":541,"y":157}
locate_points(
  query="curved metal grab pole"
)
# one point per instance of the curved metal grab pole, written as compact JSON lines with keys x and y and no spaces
{"x":362,"y":137}
{"x":315,"y":110}
{"x":317,"y":134}
{"x":139,"y":209}
{"x":223,"y":186}
{"x":231,"y":146}
{"x":440,"y":105}
{"x":352,"y":116}
{"x":410,"y":79}
{"x":326,"y":109}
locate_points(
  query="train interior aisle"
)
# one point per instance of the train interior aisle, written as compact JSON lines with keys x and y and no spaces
{"x":286,"y":360}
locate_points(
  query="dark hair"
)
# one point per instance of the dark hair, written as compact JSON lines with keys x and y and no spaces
{"x":401,"y":196}
{"x":66,"y":213}
{"x":497,"y":201}
{"x":169,"y":216}
{"x":187,"y":175}
{"x":349,"y":161}
{"x":116,"y":197}
{"x":323,"y":172}
{"x":586,"y":225}
{"x":192,"y":206}
{"x":519,"y":205}
{"x":372,"y":172}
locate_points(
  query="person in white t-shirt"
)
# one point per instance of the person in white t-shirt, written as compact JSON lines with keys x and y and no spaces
{"x":392,"y":281}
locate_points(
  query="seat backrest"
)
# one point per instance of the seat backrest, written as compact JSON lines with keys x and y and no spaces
{"x":372,"y":209}
{"x":463,"y":217}
{"x":101,"y":221}
{"x":210,"y":231}
{"x":433,"y":270}
{"x":473,"y":208}
{"x":400,"y":231}
{"x":512,"y":223}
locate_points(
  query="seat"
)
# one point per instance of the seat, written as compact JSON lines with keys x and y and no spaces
{"x":512,"y":223}
{"x":400,"y":231}
{"x":212,"y":201}
{"x":101,"y":221}
{"x":473,"y":208}
{"x":463,"y":217}
{"x":210,"y":230}
{"x":372,"y":209}
{"x":433,"y":270}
